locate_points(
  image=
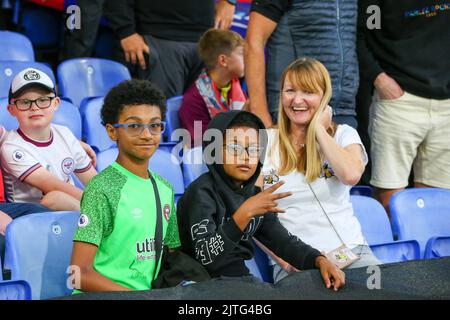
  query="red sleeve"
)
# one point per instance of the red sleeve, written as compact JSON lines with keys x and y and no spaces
{"x":193,"y":108}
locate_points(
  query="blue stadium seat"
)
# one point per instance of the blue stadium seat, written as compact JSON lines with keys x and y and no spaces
{"x":373,"y":219}
{"x":437,"y":247}
{"x":193,"y":165}
{"x":66,"y":115}
{"x":94,"y":133}
{"x":420,"y":214}
{"x":15,"y":46}
{"x":43,"y":26}
{"x":38,"y":250}
{"x":254,"y":269}
{"x":8,"y":69}
{"x":366,"y":191}
{"x":172,"y":118}
{"x":397,"y":251}
{"x":162,"y":162}
{"x":89,"y":77}
{"x":15,"y":290}
{"x":263,"y":262}
{"x":377,"y":231}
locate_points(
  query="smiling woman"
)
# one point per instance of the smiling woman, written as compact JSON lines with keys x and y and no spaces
{"x":319,"y":174}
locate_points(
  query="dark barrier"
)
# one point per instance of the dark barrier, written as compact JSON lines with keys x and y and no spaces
{"x":422,"y":279}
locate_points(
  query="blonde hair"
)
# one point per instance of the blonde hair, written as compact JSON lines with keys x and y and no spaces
{"x":312,"y":76}
{"x":215,"y":42}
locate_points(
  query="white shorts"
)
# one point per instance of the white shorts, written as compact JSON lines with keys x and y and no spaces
{"x":410,"y":131}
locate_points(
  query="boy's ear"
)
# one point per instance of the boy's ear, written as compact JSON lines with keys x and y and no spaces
{"x":57,"y":102}
{"x":11,"y":108}
{"x":112,"y":132}
{"x":222,"y":60}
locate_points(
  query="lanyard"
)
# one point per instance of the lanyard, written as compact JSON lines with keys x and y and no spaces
{"x":158,"y":229}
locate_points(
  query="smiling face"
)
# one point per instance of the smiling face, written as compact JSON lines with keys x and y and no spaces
{"x":136,"y":147}
{"x":300,"y":103}
{"x":241,"y":153}
{"x":35,"y":117}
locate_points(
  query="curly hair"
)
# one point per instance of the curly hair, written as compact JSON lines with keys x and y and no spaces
{"x":131,"y":93}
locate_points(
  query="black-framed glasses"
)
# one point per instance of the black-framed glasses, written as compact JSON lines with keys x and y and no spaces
{"x":136,"y":129}
{"x":41,"y":103}
{"x":237,"y":149}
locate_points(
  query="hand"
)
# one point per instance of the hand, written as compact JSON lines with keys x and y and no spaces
{"x":264,"y":201}
{"x":331,"y":275}
{"x":90,"y":152}
{"x":387,"y":87}
{"x":134,"y":47}
{"x":224,"y":15}
{"x":325,"y":118}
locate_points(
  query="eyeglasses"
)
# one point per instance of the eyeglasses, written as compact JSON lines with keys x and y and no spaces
{"x":41,"y":103}
{"x":237,"y":149}
{"x":136,"y":129}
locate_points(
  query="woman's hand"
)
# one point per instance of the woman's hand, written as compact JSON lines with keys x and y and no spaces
{"x":325,"y":118}
{"x":332,"y":275}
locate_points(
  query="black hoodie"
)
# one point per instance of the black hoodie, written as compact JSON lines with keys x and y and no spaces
{"x":209,"y":234}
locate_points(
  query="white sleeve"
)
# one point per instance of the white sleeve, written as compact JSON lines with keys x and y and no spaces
{"x":3,"y":134}
{"x":17,"y":161}
{"x":82,"y":160}
{"x":346,"y":135}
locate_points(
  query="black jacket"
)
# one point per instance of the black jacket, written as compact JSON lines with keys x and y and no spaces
{"x":177,"y":20}
{"x":209,"y":233}
{"x":412,"y":45}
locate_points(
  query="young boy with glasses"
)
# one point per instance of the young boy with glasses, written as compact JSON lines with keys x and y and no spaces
{"x":126,"y":210}
{"x":39,"y":158}
{"x":223,"y":210}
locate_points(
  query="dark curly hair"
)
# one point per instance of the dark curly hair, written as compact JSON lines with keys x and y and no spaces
{"x":131,"y":93}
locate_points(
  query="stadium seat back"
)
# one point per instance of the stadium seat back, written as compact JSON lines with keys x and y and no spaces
{"x":253,"y":268}
{"x":39,"y":249}
{"x":420,"y":214}
{"x":8,"y":69}
{"x":437,"y":247}
{"x":66,"y":115}
{"x":162,"y":162}
{"x":193,"y":165}
{"x":263,"y":262}
{"x":83,"y":78}
{"x":94,"y":132}
{"x":69,"y":116}
{"x":373,"y":219}
{"x":397,"y":251}
{"x":172,"y":117}
{"x":15,"y":290}
{"x":15,"y":46}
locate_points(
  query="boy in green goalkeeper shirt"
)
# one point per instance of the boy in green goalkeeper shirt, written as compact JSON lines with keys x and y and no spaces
{"x":115,"y":243}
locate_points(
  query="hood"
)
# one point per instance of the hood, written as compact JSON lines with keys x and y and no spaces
{"x":221,"y":122}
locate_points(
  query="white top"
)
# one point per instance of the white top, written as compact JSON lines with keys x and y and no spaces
{"x":303,"y":217}
{"x":62,"y":155}
{"x":3,"y":134}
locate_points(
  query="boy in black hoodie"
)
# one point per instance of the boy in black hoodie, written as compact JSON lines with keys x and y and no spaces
{"x":222,"y":210}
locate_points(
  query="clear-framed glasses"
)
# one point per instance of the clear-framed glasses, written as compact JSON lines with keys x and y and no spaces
{"x":237,"y":149}
{"x":136,"y":129}
{"x":41,"y":103}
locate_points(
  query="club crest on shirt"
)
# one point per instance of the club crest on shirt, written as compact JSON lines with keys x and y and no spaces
{"x":166,"y":212}
{"x":18,"y":155}
{"x":327,"y":171}
{"x":83,"y":221}
{"x":272,"y":177}
{"x":68,"y":165}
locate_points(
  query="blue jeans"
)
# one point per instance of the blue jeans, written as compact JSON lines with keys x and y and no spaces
{"x":16,"y":210}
